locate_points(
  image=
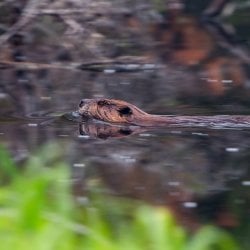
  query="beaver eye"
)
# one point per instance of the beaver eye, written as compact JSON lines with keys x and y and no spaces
{"x":125,"y":111}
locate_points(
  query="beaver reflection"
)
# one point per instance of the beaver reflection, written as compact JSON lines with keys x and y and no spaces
{"x":106,"y":131}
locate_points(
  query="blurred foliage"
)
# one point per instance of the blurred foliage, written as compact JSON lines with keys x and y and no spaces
{"x":38,"y":211}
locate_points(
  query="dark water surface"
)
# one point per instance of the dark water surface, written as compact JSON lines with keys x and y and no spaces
{"x":202,"y":174}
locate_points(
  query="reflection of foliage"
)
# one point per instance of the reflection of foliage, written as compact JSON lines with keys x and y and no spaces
{"x":36,"y":35}
{"x":37,"y":212}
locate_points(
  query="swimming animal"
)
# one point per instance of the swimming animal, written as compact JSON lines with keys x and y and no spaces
{"x":123,"y":113}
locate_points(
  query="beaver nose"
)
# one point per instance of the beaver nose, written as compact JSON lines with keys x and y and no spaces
{"x":82,"y":102}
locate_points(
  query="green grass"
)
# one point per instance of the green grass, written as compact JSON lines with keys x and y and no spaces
{"x":38,"y":211}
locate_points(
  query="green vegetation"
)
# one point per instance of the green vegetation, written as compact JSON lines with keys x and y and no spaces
{"x":38,"y":211}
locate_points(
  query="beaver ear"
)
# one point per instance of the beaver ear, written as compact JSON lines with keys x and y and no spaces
{"x":125,"y":111}
{"x":103,"y":102}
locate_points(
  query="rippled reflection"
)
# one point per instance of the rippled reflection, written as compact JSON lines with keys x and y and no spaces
{"x":105,"y":131}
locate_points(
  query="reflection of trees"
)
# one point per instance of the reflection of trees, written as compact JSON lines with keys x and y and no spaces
{"x":173,"y":170}
{"x":201,"y":165}
{"x":205,"y":49}
{"x":198,"y":162}
{"x":161,"y":167}
{"x":213,"y":66}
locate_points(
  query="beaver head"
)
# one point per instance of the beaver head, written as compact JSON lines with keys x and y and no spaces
{"x":110,"y":110}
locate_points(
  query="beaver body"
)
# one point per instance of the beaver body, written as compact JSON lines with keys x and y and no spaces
{"x":124,"y":113}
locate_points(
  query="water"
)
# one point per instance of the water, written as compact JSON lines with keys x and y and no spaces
{"x":201,"y":173}
{"x":172,"y":167}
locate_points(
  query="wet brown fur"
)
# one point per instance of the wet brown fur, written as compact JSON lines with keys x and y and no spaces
{"x":113,"y":111}
{"x":121,"y":112}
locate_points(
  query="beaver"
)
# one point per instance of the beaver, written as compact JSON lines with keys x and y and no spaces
{"x":123,"y":113}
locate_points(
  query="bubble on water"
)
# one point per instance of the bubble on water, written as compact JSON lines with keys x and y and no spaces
{"x":190,"y":204}
{"x":232,"y":150}
{"x":109,"y":71}
{"x":149,"y":66}
{"x":245,"y":183}
{"x":32,"y":124}
{"x":124,"y":158}
{"x":132,"y":66}
{"x":3,"y":95}
{"x":199,"y":134}
{"x":227,"y":81}
{"x":145,"y":135}
{"x":83,"y":136}
{"x":79,"y":165}
{"x":174,"y":183}
{"x":127,"y":159}
{"x":212,"y":80}
{"x":130,"y":160}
